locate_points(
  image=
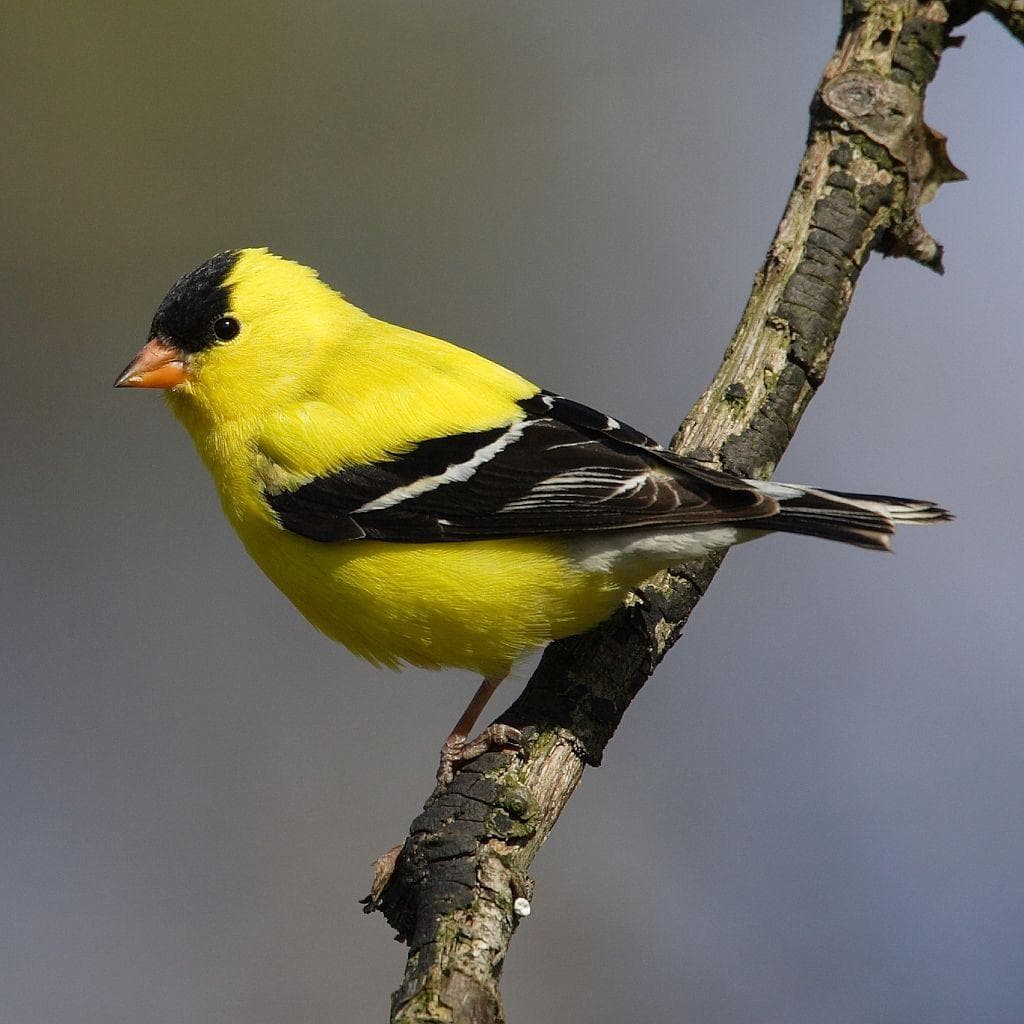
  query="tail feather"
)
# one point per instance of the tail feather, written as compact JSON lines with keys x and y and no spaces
{"x":867,"y":520}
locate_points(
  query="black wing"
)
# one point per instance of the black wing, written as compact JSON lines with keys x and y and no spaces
{"x":563,"y":468}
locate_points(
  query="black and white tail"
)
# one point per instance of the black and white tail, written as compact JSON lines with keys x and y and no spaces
{"x":867,"y":520}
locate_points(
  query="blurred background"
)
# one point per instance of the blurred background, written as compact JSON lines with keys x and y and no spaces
{"x":814,"y":810}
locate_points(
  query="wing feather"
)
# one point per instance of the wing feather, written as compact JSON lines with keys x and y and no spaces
{"x":561,"y":468}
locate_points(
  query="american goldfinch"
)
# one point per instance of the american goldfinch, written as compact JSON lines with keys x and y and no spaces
{"x":422,"y":504}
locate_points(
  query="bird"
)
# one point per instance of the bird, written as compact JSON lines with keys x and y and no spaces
{"x":424,"y":505}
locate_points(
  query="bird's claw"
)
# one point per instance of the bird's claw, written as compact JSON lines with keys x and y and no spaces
{"x":457,"y":751}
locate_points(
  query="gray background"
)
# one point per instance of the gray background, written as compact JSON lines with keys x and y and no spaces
{"x":812,"y":813}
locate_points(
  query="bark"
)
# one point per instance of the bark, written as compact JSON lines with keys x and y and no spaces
{"x":1009,"y":12}
{"x":871,"y":162}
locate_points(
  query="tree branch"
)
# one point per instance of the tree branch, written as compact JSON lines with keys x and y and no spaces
{"x":1008,"y":12}
{"x":870,"y":163}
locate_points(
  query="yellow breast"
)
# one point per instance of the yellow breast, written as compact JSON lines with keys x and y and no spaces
{"x":476,"y":605}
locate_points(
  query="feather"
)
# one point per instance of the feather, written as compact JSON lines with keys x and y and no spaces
{"x":561,"y":468}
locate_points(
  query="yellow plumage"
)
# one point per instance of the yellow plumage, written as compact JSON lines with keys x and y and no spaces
{"x":313,"y":385}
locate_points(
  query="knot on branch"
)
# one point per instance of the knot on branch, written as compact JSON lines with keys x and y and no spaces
{"x":891,"y":114}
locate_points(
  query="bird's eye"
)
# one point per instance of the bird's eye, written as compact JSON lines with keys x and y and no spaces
{"x":226,"y":328}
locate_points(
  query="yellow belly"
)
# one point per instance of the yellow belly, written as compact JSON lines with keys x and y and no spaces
{"x":477,"y":605}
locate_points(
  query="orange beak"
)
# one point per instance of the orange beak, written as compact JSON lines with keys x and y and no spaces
{"x":158,"y":365}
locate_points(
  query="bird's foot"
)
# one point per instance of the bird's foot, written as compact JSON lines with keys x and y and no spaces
{"x":457,"y":750}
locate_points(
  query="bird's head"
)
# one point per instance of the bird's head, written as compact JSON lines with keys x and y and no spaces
{"x":240,"y":333}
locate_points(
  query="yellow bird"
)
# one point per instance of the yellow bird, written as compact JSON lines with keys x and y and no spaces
{"x":422,"y":504}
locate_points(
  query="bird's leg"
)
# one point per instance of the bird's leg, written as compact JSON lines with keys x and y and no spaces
{"x":458,"y":748}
